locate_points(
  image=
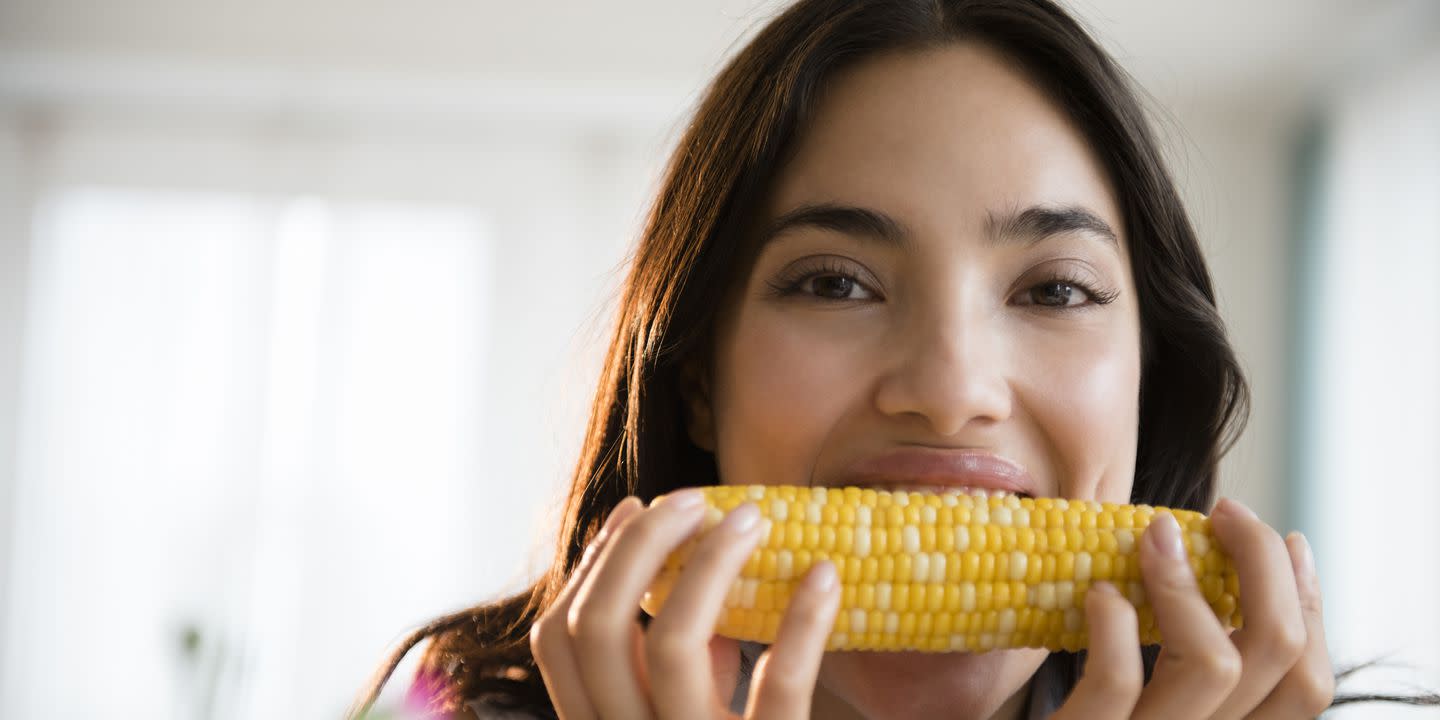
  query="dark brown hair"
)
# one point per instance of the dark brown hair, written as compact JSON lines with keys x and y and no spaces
{"x":1193,"y":397}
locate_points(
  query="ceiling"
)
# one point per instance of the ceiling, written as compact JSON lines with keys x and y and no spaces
{"x":588,"y":52}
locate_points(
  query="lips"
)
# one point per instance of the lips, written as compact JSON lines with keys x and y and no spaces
{"x":939,"y":470}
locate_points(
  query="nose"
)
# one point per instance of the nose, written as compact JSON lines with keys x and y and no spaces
{"x":949,"y":372}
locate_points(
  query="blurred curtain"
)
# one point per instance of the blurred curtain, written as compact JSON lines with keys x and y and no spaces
{"x":246,"y":448}
{"x":1367,"y":476}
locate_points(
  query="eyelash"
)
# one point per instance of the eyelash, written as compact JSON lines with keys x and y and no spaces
{"x":1097,"y":297}
{"x":791,"y":285}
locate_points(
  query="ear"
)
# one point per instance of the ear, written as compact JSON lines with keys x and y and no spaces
{"x":695,"y":392}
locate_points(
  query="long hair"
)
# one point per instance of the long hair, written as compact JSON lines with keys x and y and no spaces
{"x":698,"y":241}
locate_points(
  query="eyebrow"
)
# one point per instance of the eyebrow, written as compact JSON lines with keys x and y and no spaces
{"x":1024,"y":227}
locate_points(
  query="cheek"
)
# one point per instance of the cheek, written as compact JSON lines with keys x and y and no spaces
{"x":1085,"y":397}
{"x":781,"y":387}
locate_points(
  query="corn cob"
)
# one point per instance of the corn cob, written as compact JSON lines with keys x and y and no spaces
{"x":954,"y":571}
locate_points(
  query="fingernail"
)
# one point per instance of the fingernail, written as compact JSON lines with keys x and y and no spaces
{"x":681,"y":499}
{"x":1232,"y":505}
{"x":620,"y":509}
{"x":741,"y":519}
{"x":1101,"y":588}
{"x":821,"y":578}
{"x":1165,"y":533}
{"x":615,"y":512}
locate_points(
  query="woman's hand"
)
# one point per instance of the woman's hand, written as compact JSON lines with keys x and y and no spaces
{"x":1276,"y":667}
{"x":598,"y":662}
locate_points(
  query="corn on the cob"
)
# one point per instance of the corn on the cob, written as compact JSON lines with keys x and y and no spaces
{"x":954,"y":571}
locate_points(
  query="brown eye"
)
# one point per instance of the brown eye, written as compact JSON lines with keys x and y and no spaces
{"x":835,"y":287}
{"x":829,"y":286}
{"x":1055,"y":294}
{"x":827,"y":281}
{"x":1064,"y":293}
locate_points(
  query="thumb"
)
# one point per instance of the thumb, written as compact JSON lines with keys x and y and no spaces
{"x":724,"y":667}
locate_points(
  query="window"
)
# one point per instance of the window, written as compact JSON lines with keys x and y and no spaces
{"x":1369,"y":421}
{"x":241,"y":416}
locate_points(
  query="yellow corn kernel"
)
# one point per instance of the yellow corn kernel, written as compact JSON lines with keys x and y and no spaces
{"x":956,"y":571}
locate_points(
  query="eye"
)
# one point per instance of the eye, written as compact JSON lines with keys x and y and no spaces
{"x":1063,"y":293}
{"x":1057,"y":294}
{"x":829,"y":281}
{"x":834,"y":287}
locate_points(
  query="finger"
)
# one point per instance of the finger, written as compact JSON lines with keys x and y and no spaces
{"x":1309,"y":687}
{"x":725,"y":666}
{"x":1274,"y":634}
{"x":602,"y":620}
{"x":550,"y":638}
{"x":622,"y":511}
{"x":785,"y":674}
{"x":1199,"y":665}
{"x":1114,"y":674}
{"x":677,"y":642}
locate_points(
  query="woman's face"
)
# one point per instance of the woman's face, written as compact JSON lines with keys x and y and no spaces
{"x":946,"y":271}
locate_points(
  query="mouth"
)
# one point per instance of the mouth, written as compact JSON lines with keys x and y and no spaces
{"x":942,"y":470}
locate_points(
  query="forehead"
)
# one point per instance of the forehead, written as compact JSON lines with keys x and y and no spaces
{"x":944,"y":138}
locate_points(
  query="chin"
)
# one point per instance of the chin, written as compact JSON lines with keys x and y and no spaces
{"x":895,"y":685}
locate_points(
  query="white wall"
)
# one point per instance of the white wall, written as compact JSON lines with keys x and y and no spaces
{"x":1232,"y":158}
{"x":14,"y":259}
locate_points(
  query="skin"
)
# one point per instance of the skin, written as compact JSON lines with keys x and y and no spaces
{"x":838,"y":347}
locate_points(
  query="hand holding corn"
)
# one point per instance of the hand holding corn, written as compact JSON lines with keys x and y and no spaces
{"x":778,"y":565}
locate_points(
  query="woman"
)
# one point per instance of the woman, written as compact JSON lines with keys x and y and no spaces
{"x":902,"y":234}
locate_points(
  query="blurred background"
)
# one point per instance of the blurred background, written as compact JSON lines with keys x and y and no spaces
{"x":302,"y":303}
